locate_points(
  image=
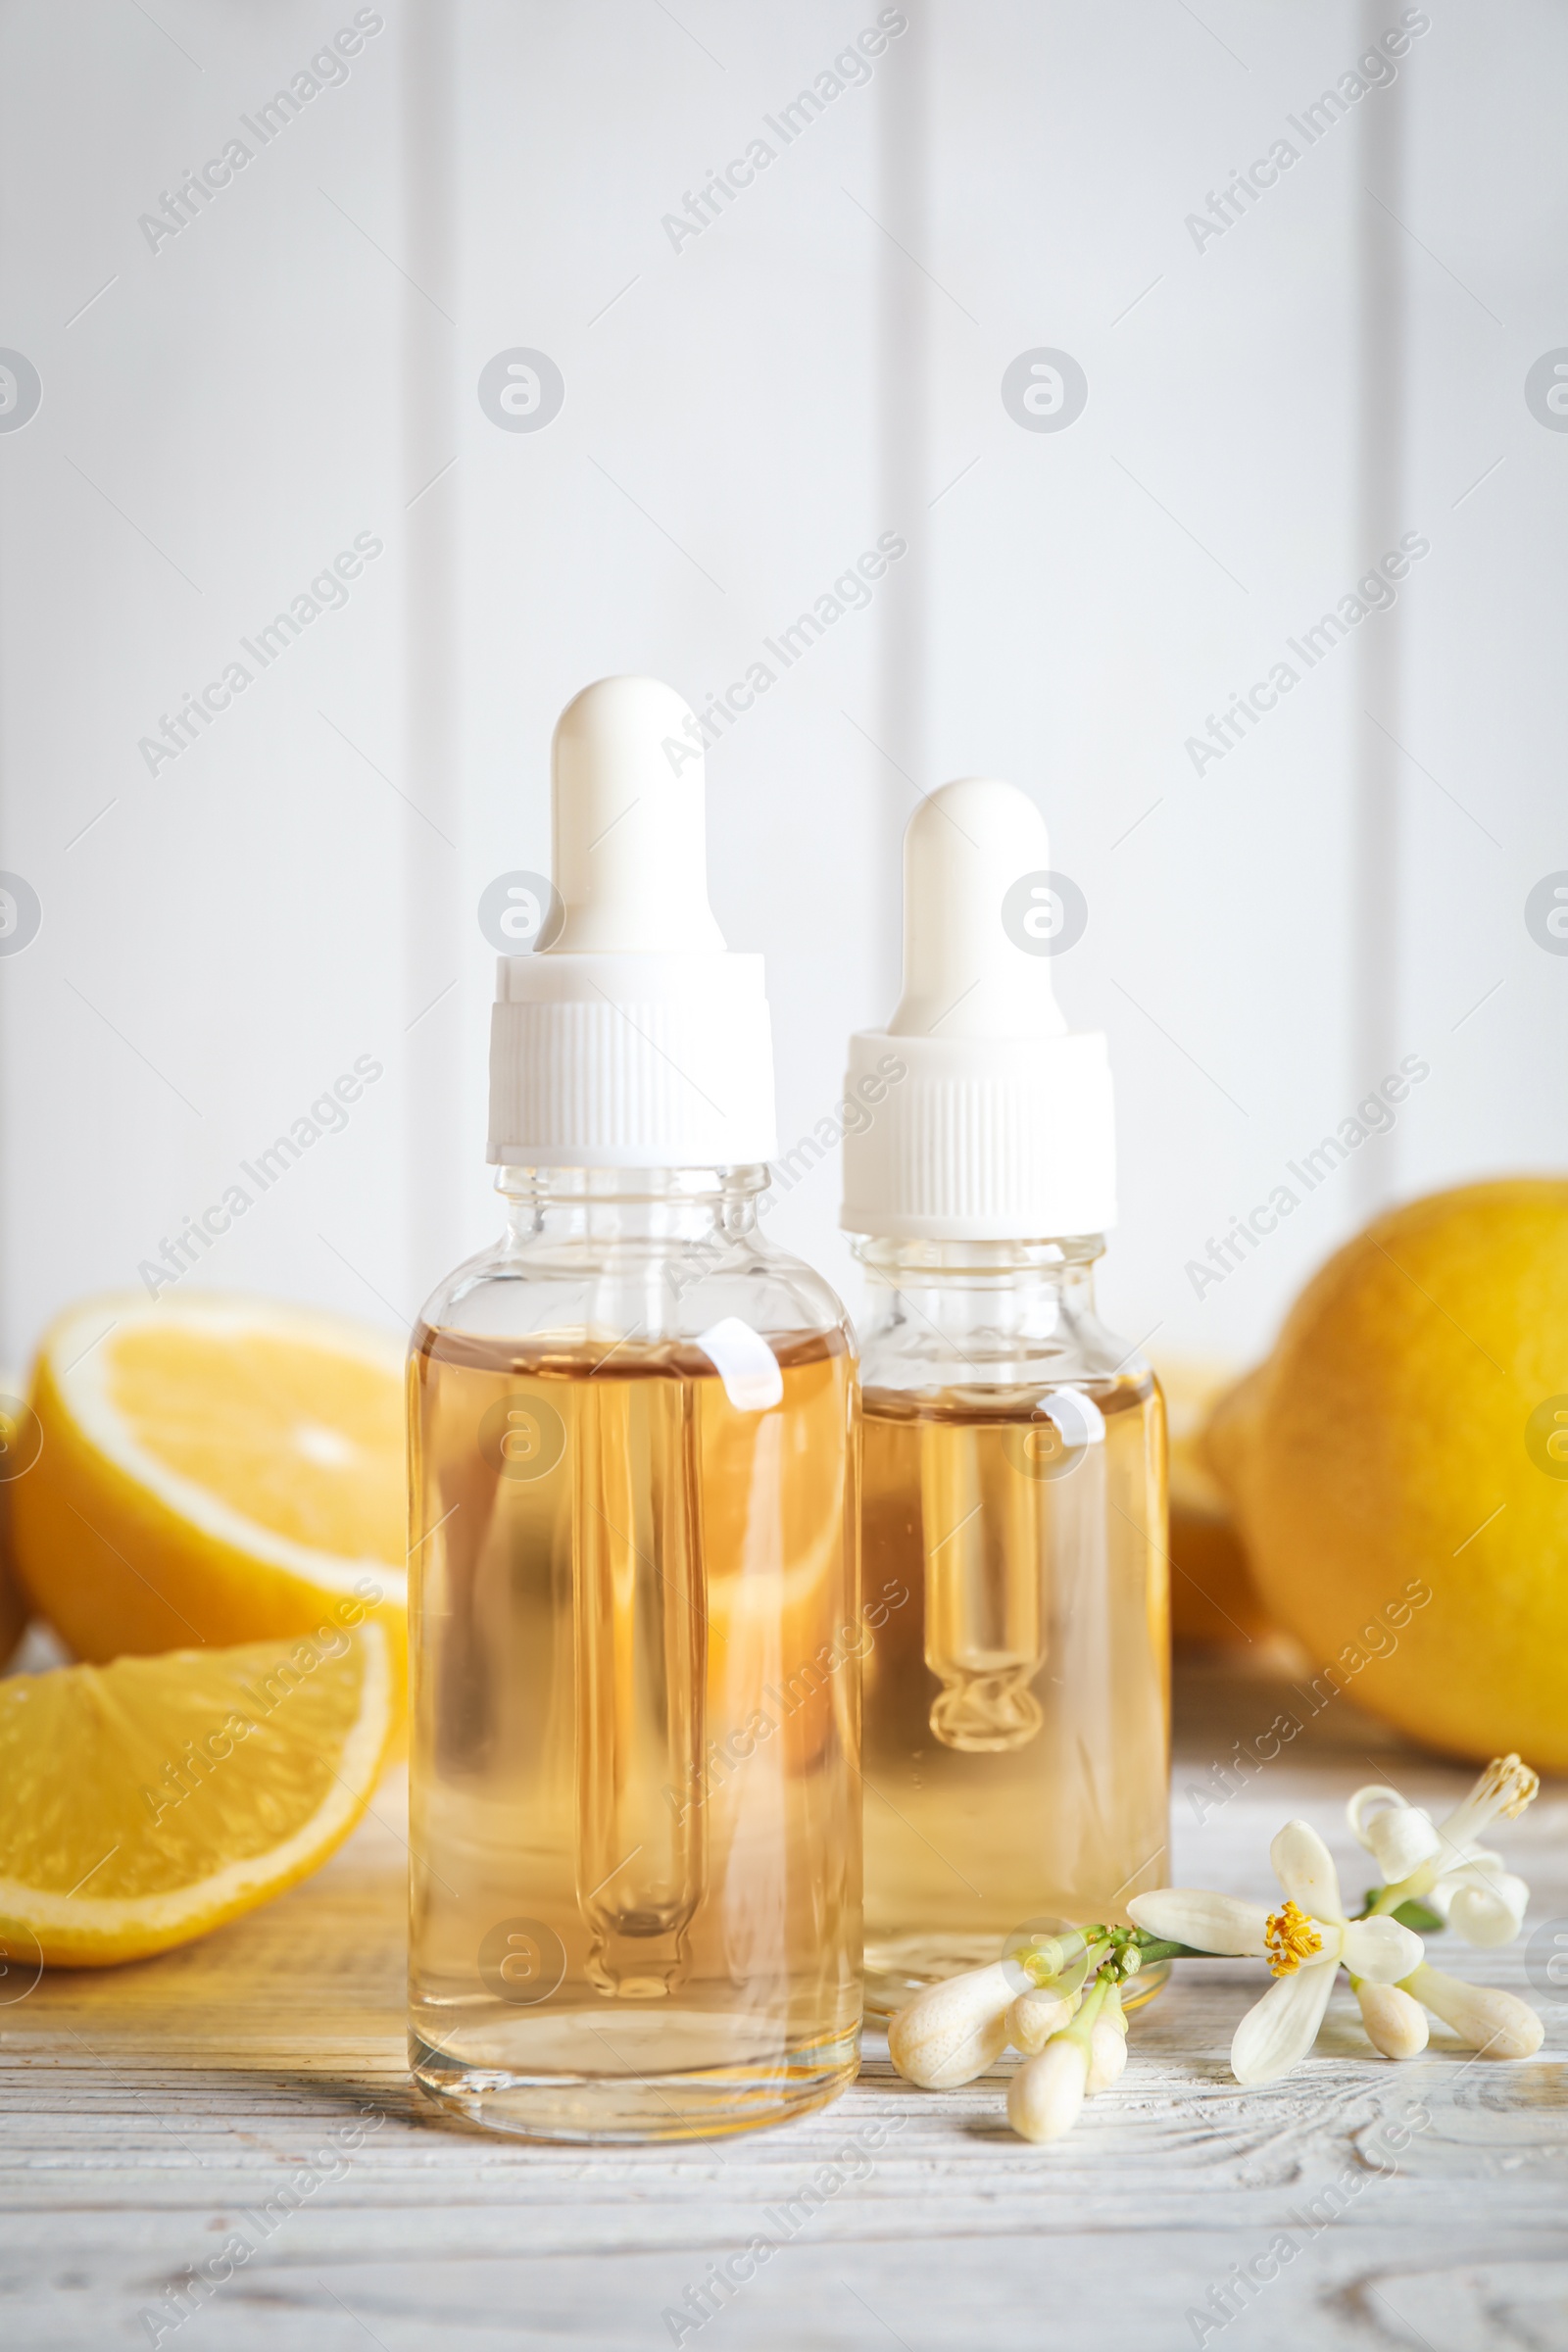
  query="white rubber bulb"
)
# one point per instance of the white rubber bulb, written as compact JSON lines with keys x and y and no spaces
{"x":964,"y":972}
{"x":630,"y":821}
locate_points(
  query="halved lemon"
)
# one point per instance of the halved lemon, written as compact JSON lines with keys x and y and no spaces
{"x":213,"y":1469}
{"x":146,"y":1802}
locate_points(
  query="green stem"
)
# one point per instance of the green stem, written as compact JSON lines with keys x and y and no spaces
{"x":1101,"y":1944}
{"x":1387,"y":1902}
{"x":1089,"y":2009}
{"x":1382,"y":1901}
{"x":1152,"y":1947}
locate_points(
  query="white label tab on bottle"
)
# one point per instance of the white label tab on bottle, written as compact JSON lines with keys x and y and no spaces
{"x":1055,"y":1441}
{"x":745,"y":1363}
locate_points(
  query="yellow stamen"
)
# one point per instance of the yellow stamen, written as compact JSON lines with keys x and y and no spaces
{"x":1291,"y":1939}
{"x":1510,"y":1780}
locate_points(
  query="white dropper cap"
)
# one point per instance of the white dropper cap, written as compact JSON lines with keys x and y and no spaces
{"x":634,"y":1038}
{"x":629,"y":830}
{"x":985,"y":1120}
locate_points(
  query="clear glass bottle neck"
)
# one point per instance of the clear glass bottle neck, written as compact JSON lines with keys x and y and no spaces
{"x":987,"y":1309}
{"x":628,"y":1204}
{"x":1060,"y":1267}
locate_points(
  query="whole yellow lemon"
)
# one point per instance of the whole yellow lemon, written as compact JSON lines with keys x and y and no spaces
{"x":1398,"y":1467}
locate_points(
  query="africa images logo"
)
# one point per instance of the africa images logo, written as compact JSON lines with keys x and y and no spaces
{"x":521,"y":390}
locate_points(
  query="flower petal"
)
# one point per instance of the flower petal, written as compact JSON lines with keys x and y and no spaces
{"x":1209,"y":1923}
{"x":1305,"y":1870}
{"x":1488,"y":1908}
{"x":1454,"y":1866}
{"x":1381,"y":1949}
{"x":1375,"y":1798}
{"x":1278,"y":2031}
{"x":1401,"y":1841}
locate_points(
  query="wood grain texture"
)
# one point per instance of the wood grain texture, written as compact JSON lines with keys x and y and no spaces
{"x":151,"y":2112}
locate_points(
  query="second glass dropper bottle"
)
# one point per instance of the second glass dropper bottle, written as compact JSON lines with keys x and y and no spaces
{"x":1015,"y":1711}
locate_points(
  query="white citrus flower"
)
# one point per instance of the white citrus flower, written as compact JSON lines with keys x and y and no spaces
{"x":1303,"y":1943}
{"x":1444,"y":1863}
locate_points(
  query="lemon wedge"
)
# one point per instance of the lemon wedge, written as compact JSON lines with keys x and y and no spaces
{"x":148,"y":1802}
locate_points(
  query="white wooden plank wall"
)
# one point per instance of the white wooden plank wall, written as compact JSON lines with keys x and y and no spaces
{"x":742,"y":418}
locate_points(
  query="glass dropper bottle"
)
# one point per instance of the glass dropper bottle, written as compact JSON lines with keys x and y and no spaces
{"x":634,"y":1802}
{"x":1017,"y":1711}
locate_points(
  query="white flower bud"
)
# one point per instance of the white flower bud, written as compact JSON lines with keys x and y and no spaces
{"x":1496,"y":2024}
{"x":954,"y":2030}
{"x":1394,"y":2023}
{"x":1045,"y":2093}
{"x":1107,"y":2053}
{"x":1035,"y":2015}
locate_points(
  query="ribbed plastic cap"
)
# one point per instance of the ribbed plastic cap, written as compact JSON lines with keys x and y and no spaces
{"x":1001,"y":1126}
{"x":634,"y":1038}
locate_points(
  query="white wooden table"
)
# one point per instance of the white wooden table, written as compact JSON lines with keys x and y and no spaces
{"x":151,"y":2112}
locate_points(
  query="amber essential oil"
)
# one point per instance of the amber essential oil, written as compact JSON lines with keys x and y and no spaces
{"x":1016,"y":1708}
{"x":635,"y":1835}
